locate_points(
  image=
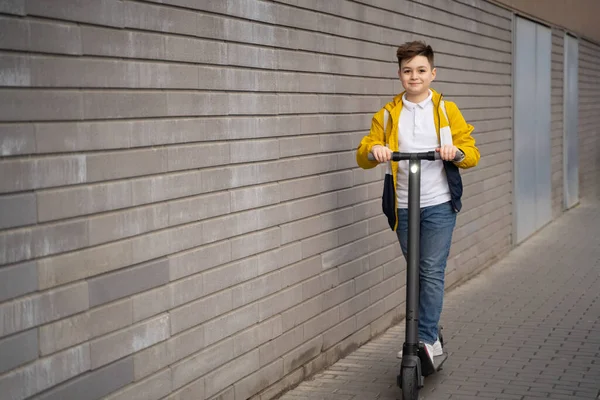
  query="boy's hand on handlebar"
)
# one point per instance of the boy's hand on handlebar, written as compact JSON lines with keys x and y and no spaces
{"x":381,"y":153}
{"x":447,"y":152}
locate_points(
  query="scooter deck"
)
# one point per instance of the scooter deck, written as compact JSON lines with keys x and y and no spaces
{"x":428,"y":369}
{"x":438,"y":361}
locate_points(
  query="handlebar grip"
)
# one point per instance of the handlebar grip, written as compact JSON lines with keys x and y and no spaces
{"x":371,"y":157}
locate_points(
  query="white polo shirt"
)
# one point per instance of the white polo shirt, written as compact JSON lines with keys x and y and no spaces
{"x":417,"y":133}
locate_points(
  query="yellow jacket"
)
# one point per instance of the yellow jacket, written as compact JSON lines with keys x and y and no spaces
{"x":461,"y":138}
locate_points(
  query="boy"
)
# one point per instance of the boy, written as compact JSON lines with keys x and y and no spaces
{"x":415,"y":122}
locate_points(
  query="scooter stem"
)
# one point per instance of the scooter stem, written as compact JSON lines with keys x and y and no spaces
{"x":412,"y":270}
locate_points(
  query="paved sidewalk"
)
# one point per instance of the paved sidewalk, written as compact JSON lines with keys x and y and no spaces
{"x":526,"y":328}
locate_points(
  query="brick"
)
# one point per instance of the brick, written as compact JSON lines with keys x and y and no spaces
{"x":354,"y":305}
{"x":197,"y":156}
{"x":193,"y":391}
{"x":344,"y":253}
{"x":151,"y":246}
{"x":301,"y":229}
{"x":96,"y":384}
{"x":124,"y":104}
{"x":202,"y":363}
{"x":301,"y":313}
{"x":321,"y":323}
{"x":118,"y":225}
{"x":74,"y":136}
{"x":153,"y":388}
{"x":53,"y":37}
{"x":230,"y":324}
{"x":229,"y":275}
{"x":199,"y":259}
{"x":337,"y":333}
{"x":254,"y":197}
{"x":195,"y":50}
{"x":296,"y":146}
{"x":17,"y":210}
{"x":182,"y":238}
{"x":336,"y":181}
{"x":277,"y":258}
{"x":45,"y":172}
{"x":163,"y":19}
{"x":254,"y":243}
{"x":16,"y":71}
{"x":231,"y":373}
{"x":257,"y":335}
{"x":17,"y":139}
{"x":18,"y":280}
{"x":251,"y":56}
{"x":353,"y":232}
{"x":297,"y":188}
{"x":287,"y":382}
{"x":320,"y":284}
{"x":59,"y":238}
{"x":280,"y":345}
{"x":31,"y":311}
{"x":133,"y":339}
{"x":45,"y":373}
{"x":302,"y":354}
{"x":64,"y":203}
{"x":121,"y":43}
{"x":338,"y":294}
{"x":151,"y":303}
{"x":352,"y":196}
{"x":186,"y":290}
{"x":19,"y":105}
{"x":254,"y":174}
{"x":15,"y":246}
{"x":18,"y":349}
{"x":165,"y":187}
{"x":16,"y":7}
{"x":256,"y":289}
{"x":254,"y":383}
{"x":109,"y":166}
{"x":66,"y":268}
{"x":301,"y":271}
{"x":319,"y":244}
{"x":199,"y":311}
{"x":196,"y":103}
{"x":103,"y":12}
{"x":85,"y":326}
{"x":132,"y":280}
{"x":15,"y":34}
{"x":368,"y":280}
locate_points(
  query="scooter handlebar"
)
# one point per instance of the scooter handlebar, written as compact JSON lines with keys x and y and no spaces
{"x":397,"y":156}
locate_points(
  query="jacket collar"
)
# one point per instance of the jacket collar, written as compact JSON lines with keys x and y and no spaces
{"x":397,"y":101}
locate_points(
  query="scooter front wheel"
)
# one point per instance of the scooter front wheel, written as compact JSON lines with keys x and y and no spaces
{"x":410,"y":384}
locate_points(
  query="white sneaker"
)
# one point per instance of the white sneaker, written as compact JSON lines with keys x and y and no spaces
{"x":436,"y":349}
{"x":429,"y":351}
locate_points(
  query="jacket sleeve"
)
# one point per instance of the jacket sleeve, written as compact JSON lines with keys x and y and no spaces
{"x":376,"y":136}
{"x":461,"y":136}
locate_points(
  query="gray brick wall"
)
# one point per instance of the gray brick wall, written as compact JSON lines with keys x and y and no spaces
{"x":181,"y":215}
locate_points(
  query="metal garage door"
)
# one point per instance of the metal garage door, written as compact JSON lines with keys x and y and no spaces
{"x":532,"y":147}
{"x":571,"y":116}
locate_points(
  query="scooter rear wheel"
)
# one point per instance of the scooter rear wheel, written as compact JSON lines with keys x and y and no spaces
{"x":410,"y":384}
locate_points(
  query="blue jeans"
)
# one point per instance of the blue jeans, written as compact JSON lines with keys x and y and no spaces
{"x":437,"y":224}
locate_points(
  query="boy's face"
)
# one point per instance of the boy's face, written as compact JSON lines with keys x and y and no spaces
{"x":416,"y":75}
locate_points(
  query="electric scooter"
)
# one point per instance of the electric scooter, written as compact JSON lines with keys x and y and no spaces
{"x":416,"y":364}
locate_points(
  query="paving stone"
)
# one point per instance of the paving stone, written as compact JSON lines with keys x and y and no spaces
{"x":525,"y":328}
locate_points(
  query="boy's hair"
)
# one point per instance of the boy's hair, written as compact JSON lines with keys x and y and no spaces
{"x":410,"y":50}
